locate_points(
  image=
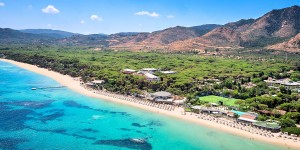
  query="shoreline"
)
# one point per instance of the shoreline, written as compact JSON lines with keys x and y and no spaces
{"x":75,"y":85}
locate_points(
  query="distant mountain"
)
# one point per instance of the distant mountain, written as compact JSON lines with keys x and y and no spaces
{"x":49,"y":32}
{"x":291,"y":45}
{"x":126,"y":34}
{"x":273,"y":27}
{"x":160,"y":39}
{"x":10,"y":36}
{"x":96,"y":40}
{"x":139,"y":40}
{"x":276,"y":29}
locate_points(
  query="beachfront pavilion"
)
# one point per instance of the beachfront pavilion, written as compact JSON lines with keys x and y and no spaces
{"x":98,"y":82}
{"x":95,"y":83}
{"x":196,"y":109}
{"x":268,"y":125}
{"x":209,"y":110}
{"x":248,"y":118}
{"x":162,"y":97}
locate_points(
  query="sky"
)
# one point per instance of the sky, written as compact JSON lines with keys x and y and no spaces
{"x":113,"y":16}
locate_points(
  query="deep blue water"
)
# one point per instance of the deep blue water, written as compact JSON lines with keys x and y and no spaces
{"x":62,"y":119}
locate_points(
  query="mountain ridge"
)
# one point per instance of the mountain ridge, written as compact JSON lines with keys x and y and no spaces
{"x":275,"y":27}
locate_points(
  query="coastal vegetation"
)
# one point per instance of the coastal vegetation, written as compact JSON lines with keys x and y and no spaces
{"x":237,"y":76}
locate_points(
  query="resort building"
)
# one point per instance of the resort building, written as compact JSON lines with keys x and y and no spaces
{"x":95,"y":83}
{"x":178,"y":101}
{"x":168,"y":72}
{"x":149,"y":70}
{"x":128,"y":71}
{"x":249,"y":117}
{"x":150,"y":77}
{"x":288,"y":83}
{"x":98,"y":82}
{"x":209,"y":110}
{"x":162,"y":97}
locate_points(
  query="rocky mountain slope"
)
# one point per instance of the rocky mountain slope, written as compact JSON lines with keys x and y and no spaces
{"x":271,"y":28}
{"x":291,"y":45}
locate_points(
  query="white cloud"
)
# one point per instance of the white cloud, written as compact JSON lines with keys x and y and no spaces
{"x":82,"y":22}
{"x":49,"y":25}
{"x":50,"y":9}
{"x":96,"y":18}
{"x":2,"y":4}
{"x":170,"y":16}
{"x":143,"y":13}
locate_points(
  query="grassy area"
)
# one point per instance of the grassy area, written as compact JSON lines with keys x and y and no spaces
{"x":216,"y":99}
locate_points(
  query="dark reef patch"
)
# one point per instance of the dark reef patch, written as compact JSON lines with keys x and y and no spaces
{"x":126,"y":143}
{"x":63,"y":132}
{"x":155,"y":123}
{"x":10,"y":143}
{"x":32,"y":104}
{"x":83,"y":136}
{"x":53,"y":116}
{"x":59,"y":131}
{"x":76,"y":105}
{"x":12,"y":120}
{"x":125,"y":129}
{"x":90,"y":130}
{"x":138,"y":125}
{"x":3,"y":106}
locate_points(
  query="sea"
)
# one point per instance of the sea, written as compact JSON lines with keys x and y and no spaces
{"x":61,"y":119}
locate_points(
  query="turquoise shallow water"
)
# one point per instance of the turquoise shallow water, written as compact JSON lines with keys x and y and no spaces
{"x":62,"y":119}
{"x":238,"y":112}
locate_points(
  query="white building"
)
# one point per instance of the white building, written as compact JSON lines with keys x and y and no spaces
{"x":150,"y":77}
{"x":128,"y":71}
{"x":288,"y":83}
{"x":149,"y":70}
{"x":98,"y":82}
{"x":168,"y":72}
{"x":162,"y":97}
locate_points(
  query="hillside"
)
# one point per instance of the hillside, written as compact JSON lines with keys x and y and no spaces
{"x":292,"y":45}
{"x":95,"y":40}
{"x":10,"y":36}
{"x":49,"y":32}
{"x":160,"y":39}
{"x":273,"y":27}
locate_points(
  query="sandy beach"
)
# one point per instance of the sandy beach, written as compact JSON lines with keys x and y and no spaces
{"x":75,"y":85}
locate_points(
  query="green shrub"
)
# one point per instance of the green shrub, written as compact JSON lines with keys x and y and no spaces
{"x":284,"y":123}
{"x":292,"y":130}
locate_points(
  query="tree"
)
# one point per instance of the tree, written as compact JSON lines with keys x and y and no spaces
{"x":283,"y":90}
{"x":287,"y":122}
{"x":292,"y":130}
{"x":293,"y":115}
{"x":228,"y":83}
